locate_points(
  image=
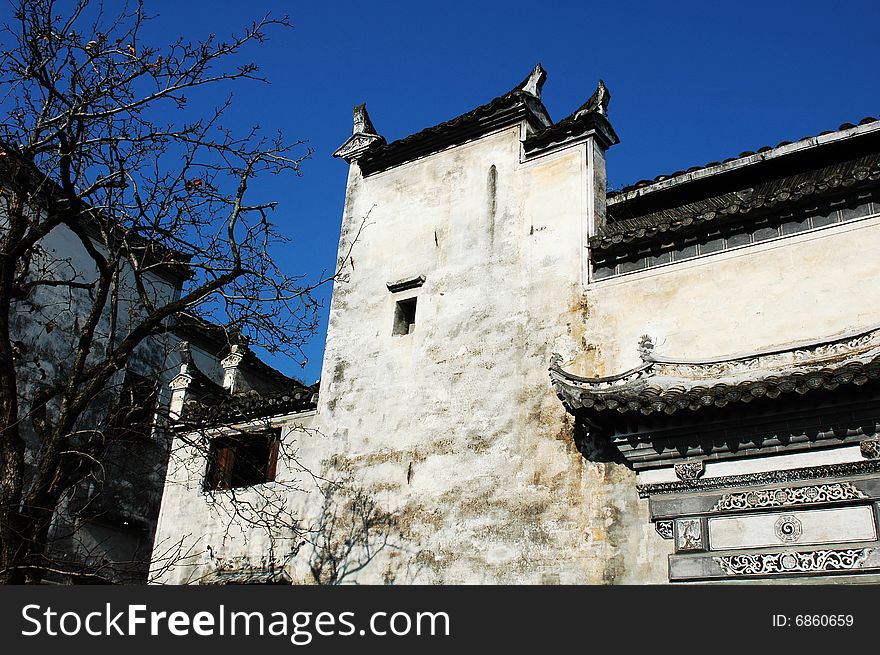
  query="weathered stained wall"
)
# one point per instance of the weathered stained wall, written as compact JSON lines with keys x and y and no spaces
{"x":456,"y":426}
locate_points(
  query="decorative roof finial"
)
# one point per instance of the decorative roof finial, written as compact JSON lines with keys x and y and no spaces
{"x":362,"y":122}
{"x":598,"y":102}
{"x":185,"y":353}
{"x":363,"y":136}
{"x":535,"y":81}
{"x":646,"y":347}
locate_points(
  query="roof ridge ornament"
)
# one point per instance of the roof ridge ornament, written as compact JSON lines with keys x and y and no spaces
{"x":185,"y":353}
{"x":362,"y":122}
{"x":598,"y":102}
{"x":646,"y":348}
{"x":363,"y":136}
{"x":534,"y":82}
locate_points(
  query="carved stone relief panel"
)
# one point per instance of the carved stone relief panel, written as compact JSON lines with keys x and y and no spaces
{"x":689,"y":534}
{"x":817,"y":526}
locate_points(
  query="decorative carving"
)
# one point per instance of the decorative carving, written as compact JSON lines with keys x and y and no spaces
{"x":233,"y":359}
{"x":185,"y":352}
{"x":245,"y":563}
{"x":819,"y":493}
{"x":180,"y":381}
{"x":598,"y":102}
{"x":664,"y":529}
{"x":674,"y":385}
{"x":690,"y":534}
{"x":363,"y":136}
{"x":763,"y":478}
{"x":788,"y":528}
{"x":870,"y":448}
{"x":710,"y":370}
{"x":793,"y":561}
{"x":836,"y":348}
{"x":646,"y":347}
{"x":689,"y":471}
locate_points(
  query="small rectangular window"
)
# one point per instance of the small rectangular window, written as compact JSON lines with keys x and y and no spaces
{"x":404,"y":316}
{"x":242,"y":461}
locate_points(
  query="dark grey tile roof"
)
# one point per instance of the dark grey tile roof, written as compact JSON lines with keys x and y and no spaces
{"x":250,"y":405}
{"x":483,"y":110}
{"x":666,"y":176}
{"x":645,"y":398}
{"x":725,"y":206}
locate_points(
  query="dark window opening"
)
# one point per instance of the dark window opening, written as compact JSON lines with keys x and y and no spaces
{"x":242,"y":461}
{"x":405,"y":316}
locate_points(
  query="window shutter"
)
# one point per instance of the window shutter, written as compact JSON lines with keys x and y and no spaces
{"x":273,"y":458}
{"x":225,"y":464}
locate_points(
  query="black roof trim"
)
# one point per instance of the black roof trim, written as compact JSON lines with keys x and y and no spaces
{"x":721,"y":208}
{"x":249,"y":405}
{"x":749,"y":153}
{"x":515,"y":105}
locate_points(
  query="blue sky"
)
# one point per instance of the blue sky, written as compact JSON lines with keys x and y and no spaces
{"x":690,"y":82}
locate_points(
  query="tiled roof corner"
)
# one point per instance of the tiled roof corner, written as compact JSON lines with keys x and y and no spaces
{"x":665,"y":385}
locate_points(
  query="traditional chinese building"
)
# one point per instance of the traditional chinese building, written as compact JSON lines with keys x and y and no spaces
{"x":711,"y":407}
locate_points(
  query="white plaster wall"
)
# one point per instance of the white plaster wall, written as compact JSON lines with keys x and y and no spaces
{"x":47,"y":328}
{"x":197,"y":528}
{"x":800,"y":288}
{"x":455,"y":426}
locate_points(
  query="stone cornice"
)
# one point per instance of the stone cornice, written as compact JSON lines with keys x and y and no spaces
{"x":762,"y":478}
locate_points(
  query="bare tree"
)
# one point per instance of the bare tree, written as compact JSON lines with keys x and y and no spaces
{"x":102,"y":153}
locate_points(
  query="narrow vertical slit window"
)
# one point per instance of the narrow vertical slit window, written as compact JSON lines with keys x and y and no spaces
{"x":404,"y":317}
